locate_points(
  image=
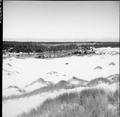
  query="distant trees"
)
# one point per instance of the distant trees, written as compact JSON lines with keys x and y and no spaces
{"x":52,"y":46}
{"x":34,"y":47}
{"x":23,"y":47}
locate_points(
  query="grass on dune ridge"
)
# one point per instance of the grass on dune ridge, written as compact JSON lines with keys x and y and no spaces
{"x":87,"y":103}
{"x":64,"y":85}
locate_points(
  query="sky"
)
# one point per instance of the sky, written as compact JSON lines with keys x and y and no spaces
{"x":61,"y":21}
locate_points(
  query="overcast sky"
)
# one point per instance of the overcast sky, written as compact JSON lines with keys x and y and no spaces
{"x":61,"y":20}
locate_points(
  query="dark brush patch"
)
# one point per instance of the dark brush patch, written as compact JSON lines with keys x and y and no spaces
{"x":112,"y":64}
{"x":98,"y":67}
{"x":9,"y":64}
{"x":66,"y":63}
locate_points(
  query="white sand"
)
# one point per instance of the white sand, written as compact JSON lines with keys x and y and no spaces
{"x":25,"y":71}
{"x":81,"y":67}
{"x":37,"y":85}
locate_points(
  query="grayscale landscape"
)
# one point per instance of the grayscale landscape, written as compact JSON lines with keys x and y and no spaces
{"x":60,"y":59}
{"x":82,"y":84}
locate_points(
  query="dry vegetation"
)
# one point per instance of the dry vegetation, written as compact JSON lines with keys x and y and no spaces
{"x":98,"y":67}
{"x":90,"y":102}
{"x":87,"y":103}
{"x":62,"y":85}
{"x":51,"y":49}
{"x":112,"y":64}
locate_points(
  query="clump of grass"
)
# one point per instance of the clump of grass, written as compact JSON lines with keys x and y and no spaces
{"x":18,"y":89}
{"x":98,"y":67}
{"x":113,"y":78}
{"x":87,"y":103}
{"x":112,"y":64}
{"x":49,"y":88}
{"x":113,"y":98}
{"x":98,"y":80}
{"x":66,"y":63}
{"x":94,"y":102}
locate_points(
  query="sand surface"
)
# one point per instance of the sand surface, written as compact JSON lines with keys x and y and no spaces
{"x":21,"y":72}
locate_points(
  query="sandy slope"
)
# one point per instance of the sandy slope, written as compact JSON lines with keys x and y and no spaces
{"x":26,"y":104}
{"x":82,"y":67}
{"x":21,"y":72}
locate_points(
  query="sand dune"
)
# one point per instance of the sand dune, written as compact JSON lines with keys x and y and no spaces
{"x":26,"y":104}
{"x":33,"y":80}
{"x":77,"y":81}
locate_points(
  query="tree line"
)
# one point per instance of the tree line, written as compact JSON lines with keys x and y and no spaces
{"x":13,"y":46}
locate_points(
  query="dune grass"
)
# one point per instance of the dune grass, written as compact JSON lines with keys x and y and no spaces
{"x":87,"y":103}
{"x":63,"y":85}
{"x":98,"y":80}
{"x":112,"y":64}
{"x":98,"y":67}
{"x":49,"y":88}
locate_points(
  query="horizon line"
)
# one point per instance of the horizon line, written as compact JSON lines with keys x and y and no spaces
{"x":63,"y":40}
{"x":57,"y":41}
